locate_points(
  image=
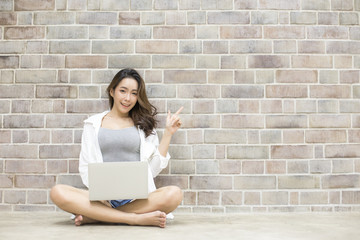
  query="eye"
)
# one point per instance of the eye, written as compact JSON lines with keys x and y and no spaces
{"x":134,"y":93}
{"x":122,"y":90}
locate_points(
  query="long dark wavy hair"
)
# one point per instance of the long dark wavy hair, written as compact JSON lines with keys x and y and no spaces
{"x":143,"y":113}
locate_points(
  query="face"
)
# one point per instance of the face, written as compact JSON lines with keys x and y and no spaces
{"x":125,"y":95}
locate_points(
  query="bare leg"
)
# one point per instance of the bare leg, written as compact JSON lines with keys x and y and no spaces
{"x":76,"y":201}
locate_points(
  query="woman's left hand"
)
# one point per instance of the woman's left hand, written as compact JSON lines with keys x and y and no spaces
{"x":173,"y":123}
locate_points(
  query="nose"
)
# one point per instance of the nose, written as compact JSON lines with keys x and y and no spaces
{"x":127,"y":97}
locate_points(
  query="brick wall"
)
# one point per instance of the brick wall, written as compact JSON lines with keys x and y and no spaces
{"x":270,"y":89}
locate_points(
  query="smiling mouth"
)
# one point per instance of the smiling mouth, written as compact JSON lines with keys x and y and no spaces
{"x":125,"y":105}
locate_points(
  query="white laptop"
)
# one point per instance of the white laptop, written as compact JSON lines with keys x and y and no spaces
{"x":118,"y":180}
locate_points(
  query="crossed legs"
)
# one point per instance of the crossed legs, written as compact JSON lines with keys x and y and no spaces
{"x":151,"y":211}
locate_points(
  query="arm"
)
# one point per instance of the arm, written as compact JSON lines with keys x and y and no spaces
{"x":173,"y":123}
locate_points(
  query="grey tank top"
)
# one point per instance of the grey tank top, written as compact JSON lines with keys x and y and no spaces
{"x":121,"y":145}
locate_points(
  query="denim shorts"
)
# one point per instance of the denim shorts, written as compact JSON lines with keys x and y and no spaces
{"x":118,"y":203}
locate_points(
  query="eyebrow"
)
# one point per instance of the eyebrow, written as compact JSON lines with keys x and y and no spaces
{"x":128,"y":89}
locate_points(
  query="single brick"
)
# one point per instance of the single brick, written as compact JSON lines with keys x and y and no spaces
{"x":35,"y":76}
{"x":210,"y":182}
{"x":215,"y":47}
{"x":342,"y":151}
{"x":264,"y":18}
{"x":105,"y":18}
{"x":327,"y":32}
{"x":350,"y":106}
{"x":54,"y":18}
{"x":247,"y":152}
{"x":349,"y":76}
{"x":208,"y":198}
{"x":86,"y":61}
{"x":156,"y":47}
{"x":306,"y":61}
{"x":330,"y":91}
{"x":245,"y":106}
{"x":280,"y":4}
{"x":14,"y":196}
{"x":175,"y":18}
{"x":275,"y":198}
{"x":242,"y":91}
{"x":233,"y":62}
{"x":311,"y":47}
{"x":207,"y":61}
{"x":24,"y":32}
{"x":302,"y":18}
{"x":286,"y":91}
{"x":161,"y":91}
{"x":132,"y":61}
{"x":275,"y":167}
{"x":87,"y":106}
{"x":65,"y":121}
{"x":201,"y":121}
{"x":20,"y":106}
{"x":268,"y":61}
{"x":349,"y":18}
{"x":242,"y":121}
{"x":59,"y":151}
{"x":343,"y":47}
{"x":6,"y":181}
{"x":53,"y":61}
{"x":230,"y":167}
{"x":351,"y":197}
{"x":47,"y":91}
{"x":311,"y":198}
{"x":29,"y":5}
{"x":180,"y":181}
{"x":39,"y":136}
{"x":8,"y":18}
{"x":328,"y":18}
{"x":298,"y":182}
{"x":256,"y":46}
{"x":7,"y":47}
{"x":129,"y":18}
{"x":11,"y":91}
{"x":37,"y":197}
{"x":270,"y":136}
{"x":296,"y":76}
{"x":253,"y":167}
{"x":340,"y":181}
{"x":6,"y":5}
{"x":283,"y":121}
{"x":284,"y":32}
{"x":343,"y":61}
{"x":24,"y":166}
{"x":285,"y":46}
{"x":182,"y":167}
{"x":61,"y":47}
{"x":344,"y":5}
{"x":23,"y":121}
{"x":112,"y":47}
{"x":30,"y":61}
{"x":291,"y":152}
{"x":152,"y":18}
{"x":315,"y":5}
{"x":196,"y":17}
{"x":130,"y":32}
{"x":245,"y":4}
{"x":34,"y":181}
{"x":254,"y":182}
{"x":111,"y":5}
{"x":240,"y":32}
{"x":165,"y":4}
{"x":328,"y":136}
{"x":207,"y":166}
{"x":231,"y":198}
{"x":174,"y":32}
{"x":203,"y":106}
{"x":228,"y":17}
{"x":252,"y":198}
{"x":330,"y":121}
{"x":9,"y":62}
{"x":37,"y":47}
{"x":184,"y":76}
{"x":67,"y":32}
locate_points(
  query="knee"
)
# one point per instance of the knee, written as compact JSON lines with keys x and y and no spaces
{"x":57,"y":195}
{"x":173,"y":196}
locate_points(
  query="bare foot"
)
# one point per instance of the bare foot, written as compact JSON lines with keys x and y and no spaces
{"x":81,"y":220}
{"x":156,"y":218}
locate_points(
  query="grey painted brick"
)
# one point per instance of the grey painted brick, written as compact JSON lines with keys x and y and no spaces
{"x":65,"y":121}
{"x":24,"y":121}
{"x":247,"y":152}
{"x":59,"y":151}
{"x":37,"y":76}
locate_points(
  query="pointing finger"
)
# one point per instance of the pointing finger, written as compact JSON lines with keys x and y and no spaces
{"x":179,"y":111}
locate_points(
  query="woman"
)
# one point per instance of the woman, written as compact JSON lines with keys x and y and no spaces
{"x":128,"y":129}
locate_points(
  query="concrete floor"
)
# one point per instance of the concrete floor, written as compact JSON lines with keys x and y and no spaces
{"x":289,"y":226}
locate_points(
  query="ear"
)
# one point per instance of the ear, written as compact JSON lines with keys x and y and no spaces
{"x":112,"y":92}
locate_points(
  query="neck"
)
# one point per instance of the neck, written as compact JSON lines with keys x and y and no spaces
{"x":115,"y":114}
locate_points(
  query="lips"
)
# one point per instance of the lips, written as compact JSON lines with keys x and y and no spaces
{"x":126,"y":106}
